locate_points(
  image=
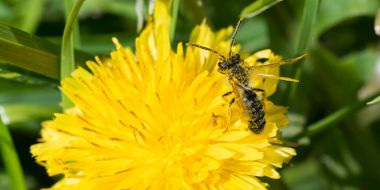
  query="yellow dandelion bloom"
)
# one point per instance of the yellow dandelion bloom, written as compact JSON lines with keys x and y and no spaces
{"x":156,"y":119}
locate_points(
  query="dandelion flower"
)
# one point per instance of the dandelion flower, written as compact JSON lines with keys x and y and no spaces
{"x":156,"y":119}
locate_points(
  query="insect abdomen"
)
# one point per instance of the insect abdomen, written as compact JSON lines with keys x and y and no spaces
{"x":255,"y":110}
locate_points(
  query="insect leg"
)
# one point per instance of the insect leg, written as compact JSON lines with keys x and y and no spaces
{"x":241,"y":85}
{"x":258,"y":89}
{"x":238,"y":98}
{"x":232,"y":102}
{"x":262,"y":91}
{"x":229,"y":114}
{"x":227,"y":94}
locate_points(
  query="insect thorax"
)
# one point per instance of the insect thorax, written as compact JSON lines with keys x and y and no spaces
{"x":233,"y":66}
{"x":240,"y":74}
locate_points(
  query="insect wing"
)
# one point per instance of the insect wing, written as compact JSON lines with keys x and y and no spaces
{"x":253,"y":63}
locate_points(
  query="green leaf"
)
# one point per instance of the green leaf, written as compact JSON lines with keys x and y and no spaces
{"x":344,"y":112}
{"x":374,"y":101}
{"x":257,"y":7}
{"x":75,"y":35}
{"x":305,"y":175}
{"x":174,"y":14}
{"x":13,"y":73}
{"x":24,"y":106}
{"x":17,"y":92}
{"x":363,"y":62}
{"x":309,"y":17}
{"x":334,"y":12}
{"x":327,"y":67}
{"x":25,"y":112}
{"x":123,"y":8}
{"x":31,"y":53}
{"x":306,"y":36}
{"x":28,"y":52}
{"x":5,"y":11}
{"x":10,"y":159}
{"x":30,"y":12}
{"x":67,"y":47}
{"x":117,"y":7}
{"x":253,"y":40}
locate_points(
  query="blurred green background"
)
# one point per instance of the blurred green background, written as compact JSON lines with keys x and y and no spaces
{"x":342,"y":69}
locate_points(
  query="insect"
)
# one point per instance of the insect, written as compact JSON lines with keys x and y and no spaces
{"x":238,"y":74}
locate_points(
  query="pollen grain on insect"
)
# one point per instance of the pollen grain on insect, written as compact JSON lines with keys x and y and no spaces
{"x":238,"y":75}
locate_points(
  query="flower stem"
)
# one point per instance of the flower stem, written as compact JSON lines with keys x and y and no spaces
{"x":175,"y":7}
{"x":75,"y":38}
{"x":306,"y":37}
{"x":10,"y":158}
{"x":333,"y":118}
{"x":67,"y":49}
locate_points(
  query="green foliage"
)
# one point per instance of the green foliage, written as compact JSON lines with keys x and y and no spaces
{"x":333,"y":12}
{"x":306,"y":36}
{"x":11,"y":161}
{"x":68,"y":44}
{"x":40,"y":56}
{"x":375,"y":100}
{"x":257,"y":7}
{"x":335,"y":132}
{"x":174,"y":14}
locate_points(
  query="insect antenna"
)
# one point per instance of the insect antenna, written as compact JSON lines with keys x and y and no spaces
{"x":234,"y":36}
{"x":206,"y":48}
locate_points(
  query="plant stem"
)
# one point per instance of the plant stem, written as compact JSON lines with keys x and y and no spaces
{"x":10,"y":158}
{"x":75,"y":38}
{"x":175,"y":7}
{"x":67,"y":49}
{"x":309,"y":17}
{"x":337,"y":116}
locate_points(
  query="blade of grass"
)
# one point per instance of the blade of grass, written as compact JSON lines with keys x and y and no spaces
{"x":309,"y":17}
{"x":24,"y":112}
{"x":75,"y":38}
{"x":337,"y":116}
{"x":175,"y":7}
{"x":10,"y":159}
{"x":257,"y":7}
{"x":374,"y":101}
{"x":13,"y":73}
{"x":28,"y":52}
{"x":67,"y":48}
{"x":25,"y":118}
{"x":307,"y":25}
{"x":31,"y":53}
